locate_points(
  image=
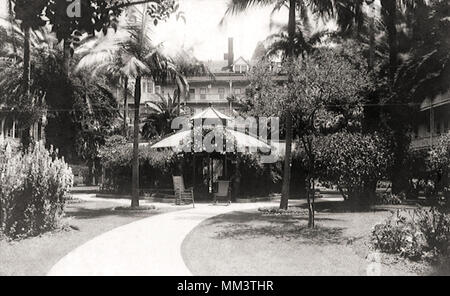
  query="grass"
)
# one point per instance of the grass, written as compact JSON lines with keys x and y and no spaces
{"x":84,"y":221}
{"x":254,"y":243}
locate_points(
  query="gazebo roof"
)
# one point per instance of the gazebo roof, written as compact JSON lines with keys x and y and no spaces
{"x":238,"y":139}
{"x":211,"y":113}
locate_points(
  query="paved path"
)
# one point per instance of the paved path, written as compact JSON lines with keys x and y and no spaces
{"x":148,"y":247}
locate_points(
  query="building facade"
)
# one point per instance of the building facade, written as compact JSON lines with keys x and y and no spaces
{"x":8,"y":126}
{"x":227,"y":80}
{"x":433,"y":120}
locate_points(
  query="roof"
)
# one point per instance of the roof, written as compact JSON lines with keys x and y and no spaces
{"x":439,"y":100}
{"x":236,"y":62}
{"x":238,"y":139}
{"x":218,"y":66}
{"x":211,"y":113}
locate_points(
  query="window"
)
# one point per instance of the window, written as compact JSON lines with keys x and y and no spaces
{"x":191,"y":94}
{"x":158,"y":89}
{"x":203,"y":92}
{"x":150,"y":87}
{"x":222,"y":93}
{"x":144,"y":87}
{"x":438,"y":127}
{"x":237,"y":91}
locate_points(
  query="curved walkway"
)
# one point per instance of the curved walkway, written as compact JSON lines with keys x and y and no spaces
{"x":149,"y":247}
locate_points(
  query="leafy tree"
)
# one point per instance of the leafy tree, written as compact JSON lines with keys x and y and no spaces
{"x":438,"y":164}
{"x":141,"y":58}
{"x":325,"y":96}
{"x":418,"y":68}
{"x":96,"y":16}
{"x":70,"y":123}
{"x":353,"y":161}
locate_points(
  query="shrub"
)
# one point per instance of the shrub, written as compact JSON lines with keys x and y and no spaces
{"x":437,"y":164}
{"x":274,"y":211}
{"x":116,"y":156}
{"x":32,"y":191}
{"x":256,"y":178}
{"x":390,"y":199}
{"x":417,"y":234}
{"x":352,"y":161}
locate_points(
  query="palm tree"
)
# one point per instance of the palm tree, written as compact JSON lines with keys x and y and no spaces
{"x":319,"y":7}
{"x":159,"y":118}
{"x":138,"y":57}
{"x":305,"y":41}
{"x":389,"y":13}
{"x":23,"y":49}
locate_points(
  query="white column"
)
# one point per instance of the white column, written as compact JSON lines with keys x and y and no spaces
{"x":2,"y":131}
{"x":13,"y":134}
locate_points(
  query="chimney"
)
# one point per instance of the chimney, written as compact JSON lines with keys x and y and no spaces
{"x":230,"y":55}
{"x":230,"y":52}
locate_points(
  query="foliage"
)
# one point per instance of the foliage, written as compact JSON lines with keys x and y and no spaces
{"x":425,"y":68}
{"x":352,"y":161}
{"x":305,"y":41}
{"x":390,"y":199}
{"x":417,"y":234}
{"x":438,"y":167}
{"x":117,"y":155}
{"x":158,"y":121}
{"x":32,"y":191}
{"x":80,"y":110}
{"x":257,"y":178}
{"x":31,"y":13}
{"x":291,"y":211}
{"x":439,"y":156}
{"x":326,"y":93}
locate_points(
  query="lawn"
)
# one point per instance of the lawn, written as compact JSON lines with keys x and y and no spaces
{"x":84,"y":221}
{"x":251,"y":243}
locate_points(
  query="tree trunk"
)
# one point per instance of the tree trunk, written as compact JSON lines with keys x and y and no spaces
{"x":181,"y":95}
{"x":135,"y":182}
{"x":312,"y":204}
{"x":284,"y":204}
{"x":27,"y":60}
{"x":371,"y":62}
{"x":27,"y":130}
{"x":66,"y":57}
{"x":125,"y":107}
{"x":11,"y":21}
{"x":288,"y":154}
{"x":359,"y":19}
{"x":389,"y":12}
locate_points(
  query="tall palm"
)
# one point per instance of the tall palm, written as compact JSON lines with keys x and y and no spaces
{"x":30,"y":13}
{"x":389,"y":13}
{"x":318,"y":7}
{"x":138,"y":58}
{"x":24,"y":49}
{"x":305,"y":41}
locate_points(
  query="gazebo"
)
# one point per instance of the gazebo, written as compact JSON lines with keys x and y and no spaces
{"x":211,"y":138}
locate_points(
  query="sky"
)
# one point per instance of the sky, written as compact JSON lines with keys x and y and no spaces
{"x":203,"y":33}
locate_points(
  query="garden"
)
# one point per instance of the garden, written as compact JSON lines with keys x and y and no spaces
{"x":350,"y":192}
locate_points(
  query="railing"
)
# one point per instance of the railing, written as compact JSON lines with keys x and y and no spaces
{"x":425,"y":142}
{"x":207,"y":98}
